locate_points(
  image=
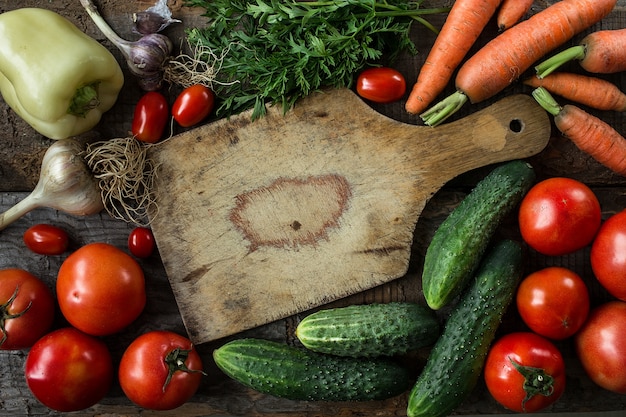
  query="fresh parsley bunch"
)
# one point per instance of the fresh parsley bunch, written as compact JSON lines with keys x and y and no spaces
{"x":277,"y":51}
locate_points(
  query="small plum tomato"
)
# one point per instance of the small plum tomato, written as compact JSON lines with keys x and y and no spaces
{"x":26,"y":309}
{"x":559,"y":216}
{"x":101,"y":289}
{"x":193,"y":105}
{"x":553,"y":302}
{"x":141,"y":242}
{"x":150,"y":117}
{"x":67,"y":370}
{"x":381,"y":85}
{"x":524,"y":372}
{"x":46,"y":239}
{"x":608,"y":255}
{"x":160,"y":370}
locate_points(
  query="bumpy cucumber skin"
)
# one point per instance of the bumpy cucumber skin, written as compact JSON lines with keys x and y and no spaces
{"x":456,"y":360}
{"x":299,"y":374}
{"x":369,"y":330}
{"x":461,"y":240}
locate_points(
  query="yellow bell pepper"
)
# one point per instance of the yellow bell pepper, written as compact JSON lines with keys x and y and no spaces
{"x":58,"y":79}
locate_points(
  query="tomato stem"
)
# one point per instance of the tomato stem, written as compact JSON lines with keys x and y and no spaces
{"x":536,"y":381}
{"x":5,"y":315}
{"x":175,"y":361}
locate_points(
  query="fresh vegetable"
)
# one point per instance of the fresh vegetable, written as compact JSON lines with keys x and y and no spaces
{"x":501,"y":61}
{"x":274,"y":52}
{"x":553,"y":302}
{"x":590,"y":91}
{"x":65,"y":183}
{"x":26,"y":310}
{"x":146,"y":58}
{"x":464,"y":23}
{"x":511,"y":12}
{"x":456,"y":361}
{"x":67,"y":370}
{"x":525,"y":372}
{"x":607,"y":255}
{"x":193,"y":105}
{"x":559,"y":216}
{"x":381,"y":84}
{"x":141,"y":242}
{"x":600,"y":52}
{"x":154,"y":19}
{"x":52,"y":75}
{"x":100,"y":289}
{"x":459,"y":243}
{"x":300,"y":374}
{"x":46,"y":239}
{"x":601,"y":346}
{"x":369,"y":330}
{"x":150,"y":117}
{"x":160,"y":370}
{"x":589,"y":133}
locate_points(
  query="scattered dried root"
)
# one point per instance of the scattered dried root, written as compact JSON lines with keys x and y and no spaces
{"x":126,"y":177}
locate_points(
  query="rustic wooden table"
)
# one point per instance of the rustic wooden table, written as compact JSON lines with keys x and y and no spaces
{"x":20,"y":157}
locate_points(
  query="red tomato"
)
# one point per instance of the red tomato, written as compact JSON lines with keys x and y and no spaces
{"x":192,"y":105}
{"x":381,"y":85}
{"x":141,"y":242}
{"x":601,"y":346}
{"x":101,"y":289}
{"x":525,"y":372}
{"x":27,"y":309}
{"x":608,"y":255}
{"x":151,"y":116}
{"x":68,"y":370}
{"x":553,"y":302}
{"x":160,"y":370}
{"x":559,"y":216}
{"x":46,"y":239}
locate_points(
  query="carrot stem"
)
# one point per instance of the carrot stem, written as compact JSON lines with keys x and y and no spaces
{"x":551,"y":64}
{"x":545,"y":100}
{"x":444,"y":109}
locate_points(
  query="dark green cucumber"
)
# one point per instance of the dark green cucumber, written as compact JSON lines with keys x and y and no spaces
{"x":461,"y":240}
{"x":369,"y":330}
{"x":457,"y":358}
{"x":299,"y":374}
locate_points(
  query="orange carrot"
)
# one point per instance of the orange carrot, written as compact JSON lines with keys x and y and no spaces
{"x":463,"y":25}
{"x":601,"y":52}
{"x":511,"y":12}
{"x":501,"y":61}
{"x":589,"y":91}
{"x":589,"y":133}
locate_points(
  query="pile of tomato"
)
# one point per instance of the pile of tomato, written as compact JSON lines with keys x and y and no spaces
{"x":524,"y":371}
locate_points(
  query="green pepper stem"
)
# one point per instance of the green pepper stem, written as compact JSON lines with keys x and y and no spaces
{"x":444,"y":109}
{"x":551,"y":64}
{"x":545,"y":100}
{"x":85,"y":99}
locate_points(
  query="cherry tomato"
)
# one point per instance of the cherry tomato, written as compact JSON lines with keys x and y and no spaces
{"x":100,"y":289}
{"x":27,"y":309}
{"x":559,"y":216}
{"x":160,"y":370}
{"x":67,"y":370}
{"x":46,"y":239}
{"x":381,"y":85}
{"x":141,"y":242}
{"x":192,"y":105}
{"x":553,"y":302}
{"x":151,"y":116}
{"x":608,"y":255}
{"x":524,"y":372}
{"x":601,"y":346}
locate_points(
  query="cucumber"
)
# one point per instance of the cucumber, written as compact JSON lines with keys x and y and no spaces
{"x":296,"y":373}
{"x":460,"y":241}
{"x":457,"y":358}
{"x":369,"y":330}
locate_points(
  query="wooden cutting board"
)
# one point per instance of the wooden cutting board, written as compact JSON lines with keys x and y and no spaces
{"x":259,"y":220}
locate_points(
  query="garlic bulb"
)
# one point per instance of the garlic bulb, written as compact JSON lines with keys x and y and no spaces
{"x":65,"y":183}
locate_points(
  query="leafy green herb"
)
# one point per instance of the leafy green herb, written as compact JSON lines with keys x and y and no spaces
{"x":277,"y":51}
